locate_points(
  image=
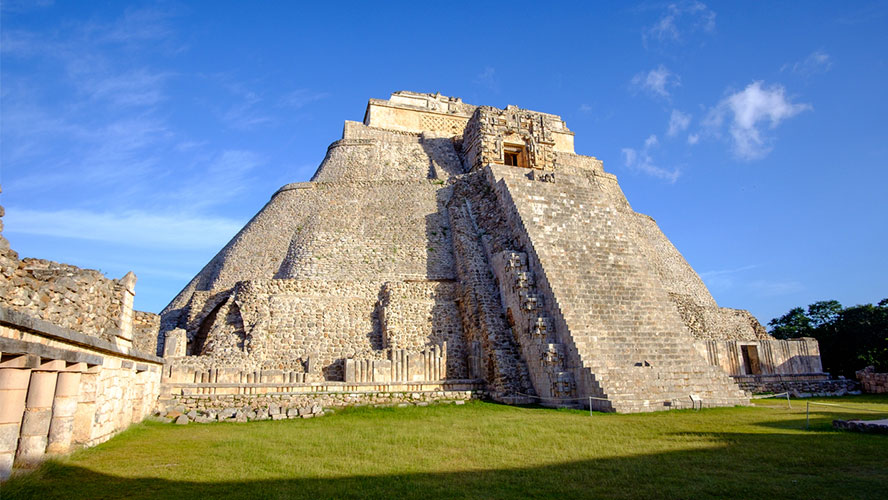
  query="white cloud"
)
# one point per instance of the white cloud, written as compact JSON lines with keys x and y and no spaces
{"x":245,"y":114}
{"x":678,"y":122}
{"x":302,"y":97}
{"x":693,"y":139}
{"x":488,"y":79}
{"x":134,"y":88}
{"x":135,"y":228}
{"x":217,"y":182}
{"x":680,"y":19}
{"x":641,"y":160}
{"x":723,"y":279}
{"x":817,"y":62}
{"x":586,"y":108}
{"x":656,"y":82}
{"x":749,"y":110}
{"x":650,"y":142}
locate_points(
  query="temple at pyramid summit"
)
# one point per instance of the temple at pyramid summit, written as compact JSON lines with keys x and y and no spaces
{"x":443,"y":247}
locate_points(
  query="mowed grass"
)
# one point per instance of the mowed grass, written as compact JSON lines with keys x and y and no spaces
{"x":486,"y":450}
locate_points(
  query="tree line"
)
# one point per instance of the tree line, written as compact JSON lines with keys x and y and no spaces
{"x":850,"y":338}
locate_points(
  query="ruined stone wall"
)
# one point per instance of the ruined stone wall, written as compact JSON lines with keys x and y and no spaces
{"x":796,"y":386}
{"x":80,"y":299}
{"x":872,"y":382}
{"x":414,"y":315}
{"x":382,"y":230}
{"x":146,"y":326}
{"x":493,"y":353}
{"x":61,"y":389}
{"x":313,"y":325}
{"x":207,"y":408}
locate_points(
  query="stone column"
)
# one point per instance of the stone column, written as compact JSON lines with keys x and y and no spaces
{"x":13,"y":391}
{"x":64,"y":406}
{"x":38,"y":412}
{"x":124,"y":338}
{"x":85,"y":413}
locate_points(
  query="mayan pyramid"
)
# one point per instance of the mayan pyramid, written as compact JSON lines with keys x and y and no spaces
{"x":444,"y":241}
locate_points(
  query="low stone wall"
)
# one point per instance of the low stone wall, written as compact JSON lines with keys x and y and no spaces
{"x":872,"y":382}
{"x":861,"y":426}
{"x":204,"y":408}
{"x":798,"y":385}
{"x":60,"y":389}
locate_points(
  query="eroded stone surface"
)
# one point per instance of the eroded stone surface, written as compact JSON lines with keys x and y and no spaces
{"x":440,"y":240}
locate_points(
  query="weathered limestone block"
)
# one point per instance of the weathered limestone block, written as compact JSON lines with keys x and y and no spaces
{"x":38,"y":413}
{"x":13,"y":391}
{"x":175,"y":343}
{"x":64,"y":407}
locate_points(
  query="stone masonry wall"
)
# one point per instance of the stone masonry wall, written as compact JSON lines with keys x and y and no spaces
{"x":872,"y":382}
{"x":771,"y":357}
{"x":375,"y":230}
{"x":619,"y":329}
{"x":80,"y":299}
{"x":490,"y":128}
{"x":414,"y":315}
{"x":292,"y":324}
{"x":145,"y":328}
{"x":89,"y":387}
{"x":248,"y":407}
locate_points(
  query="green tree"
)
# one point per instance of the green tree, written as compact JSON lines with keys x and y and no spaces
{"x":850,"y":338}
{"x":791,"y":325}
{"x":824,"y":312}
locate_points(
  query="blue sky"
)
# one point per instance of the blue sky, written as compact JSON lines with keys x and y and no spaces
{"x":142,"y":136}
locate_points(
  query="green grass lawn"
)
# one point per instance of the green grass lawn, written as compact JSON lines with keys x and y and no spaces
{"x":485,"y":450}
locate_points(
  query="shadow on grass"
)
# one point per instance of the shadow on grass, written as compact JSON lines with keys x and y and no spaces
{"x":736,"y":465}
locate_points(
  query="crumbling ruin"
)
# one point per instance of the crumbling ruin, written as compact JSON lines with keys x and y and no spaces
{"x":444,"y":246}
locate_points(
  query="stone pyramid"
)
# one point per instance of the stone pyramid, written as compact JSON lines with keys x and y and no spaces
{"x":444,"y":241}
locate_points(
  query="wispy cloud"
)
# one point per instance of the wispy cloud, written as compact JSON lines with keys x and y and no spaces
{"x":488,"y":79}
{"x":134,"y":228}
{"x":679,"y":19}
{"x":641,"y":161}
{"x":246,"y":113}
{"x":299,"y":98}
{"x":140,"y":87}
{"x":769,"y":288}
{"x":139,"y":25}
{"x":724,"y":279}
{"x":727,"y":279}
{"x":817,"y":62}
{"x":216,"y":182}
{"x":678,"y":123}
{"x":749,"y":111}
{"x":655,"y":82}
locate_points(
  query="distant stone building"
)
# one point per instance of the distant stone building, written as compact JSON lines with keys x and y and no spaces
{"x":442,"y":246}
